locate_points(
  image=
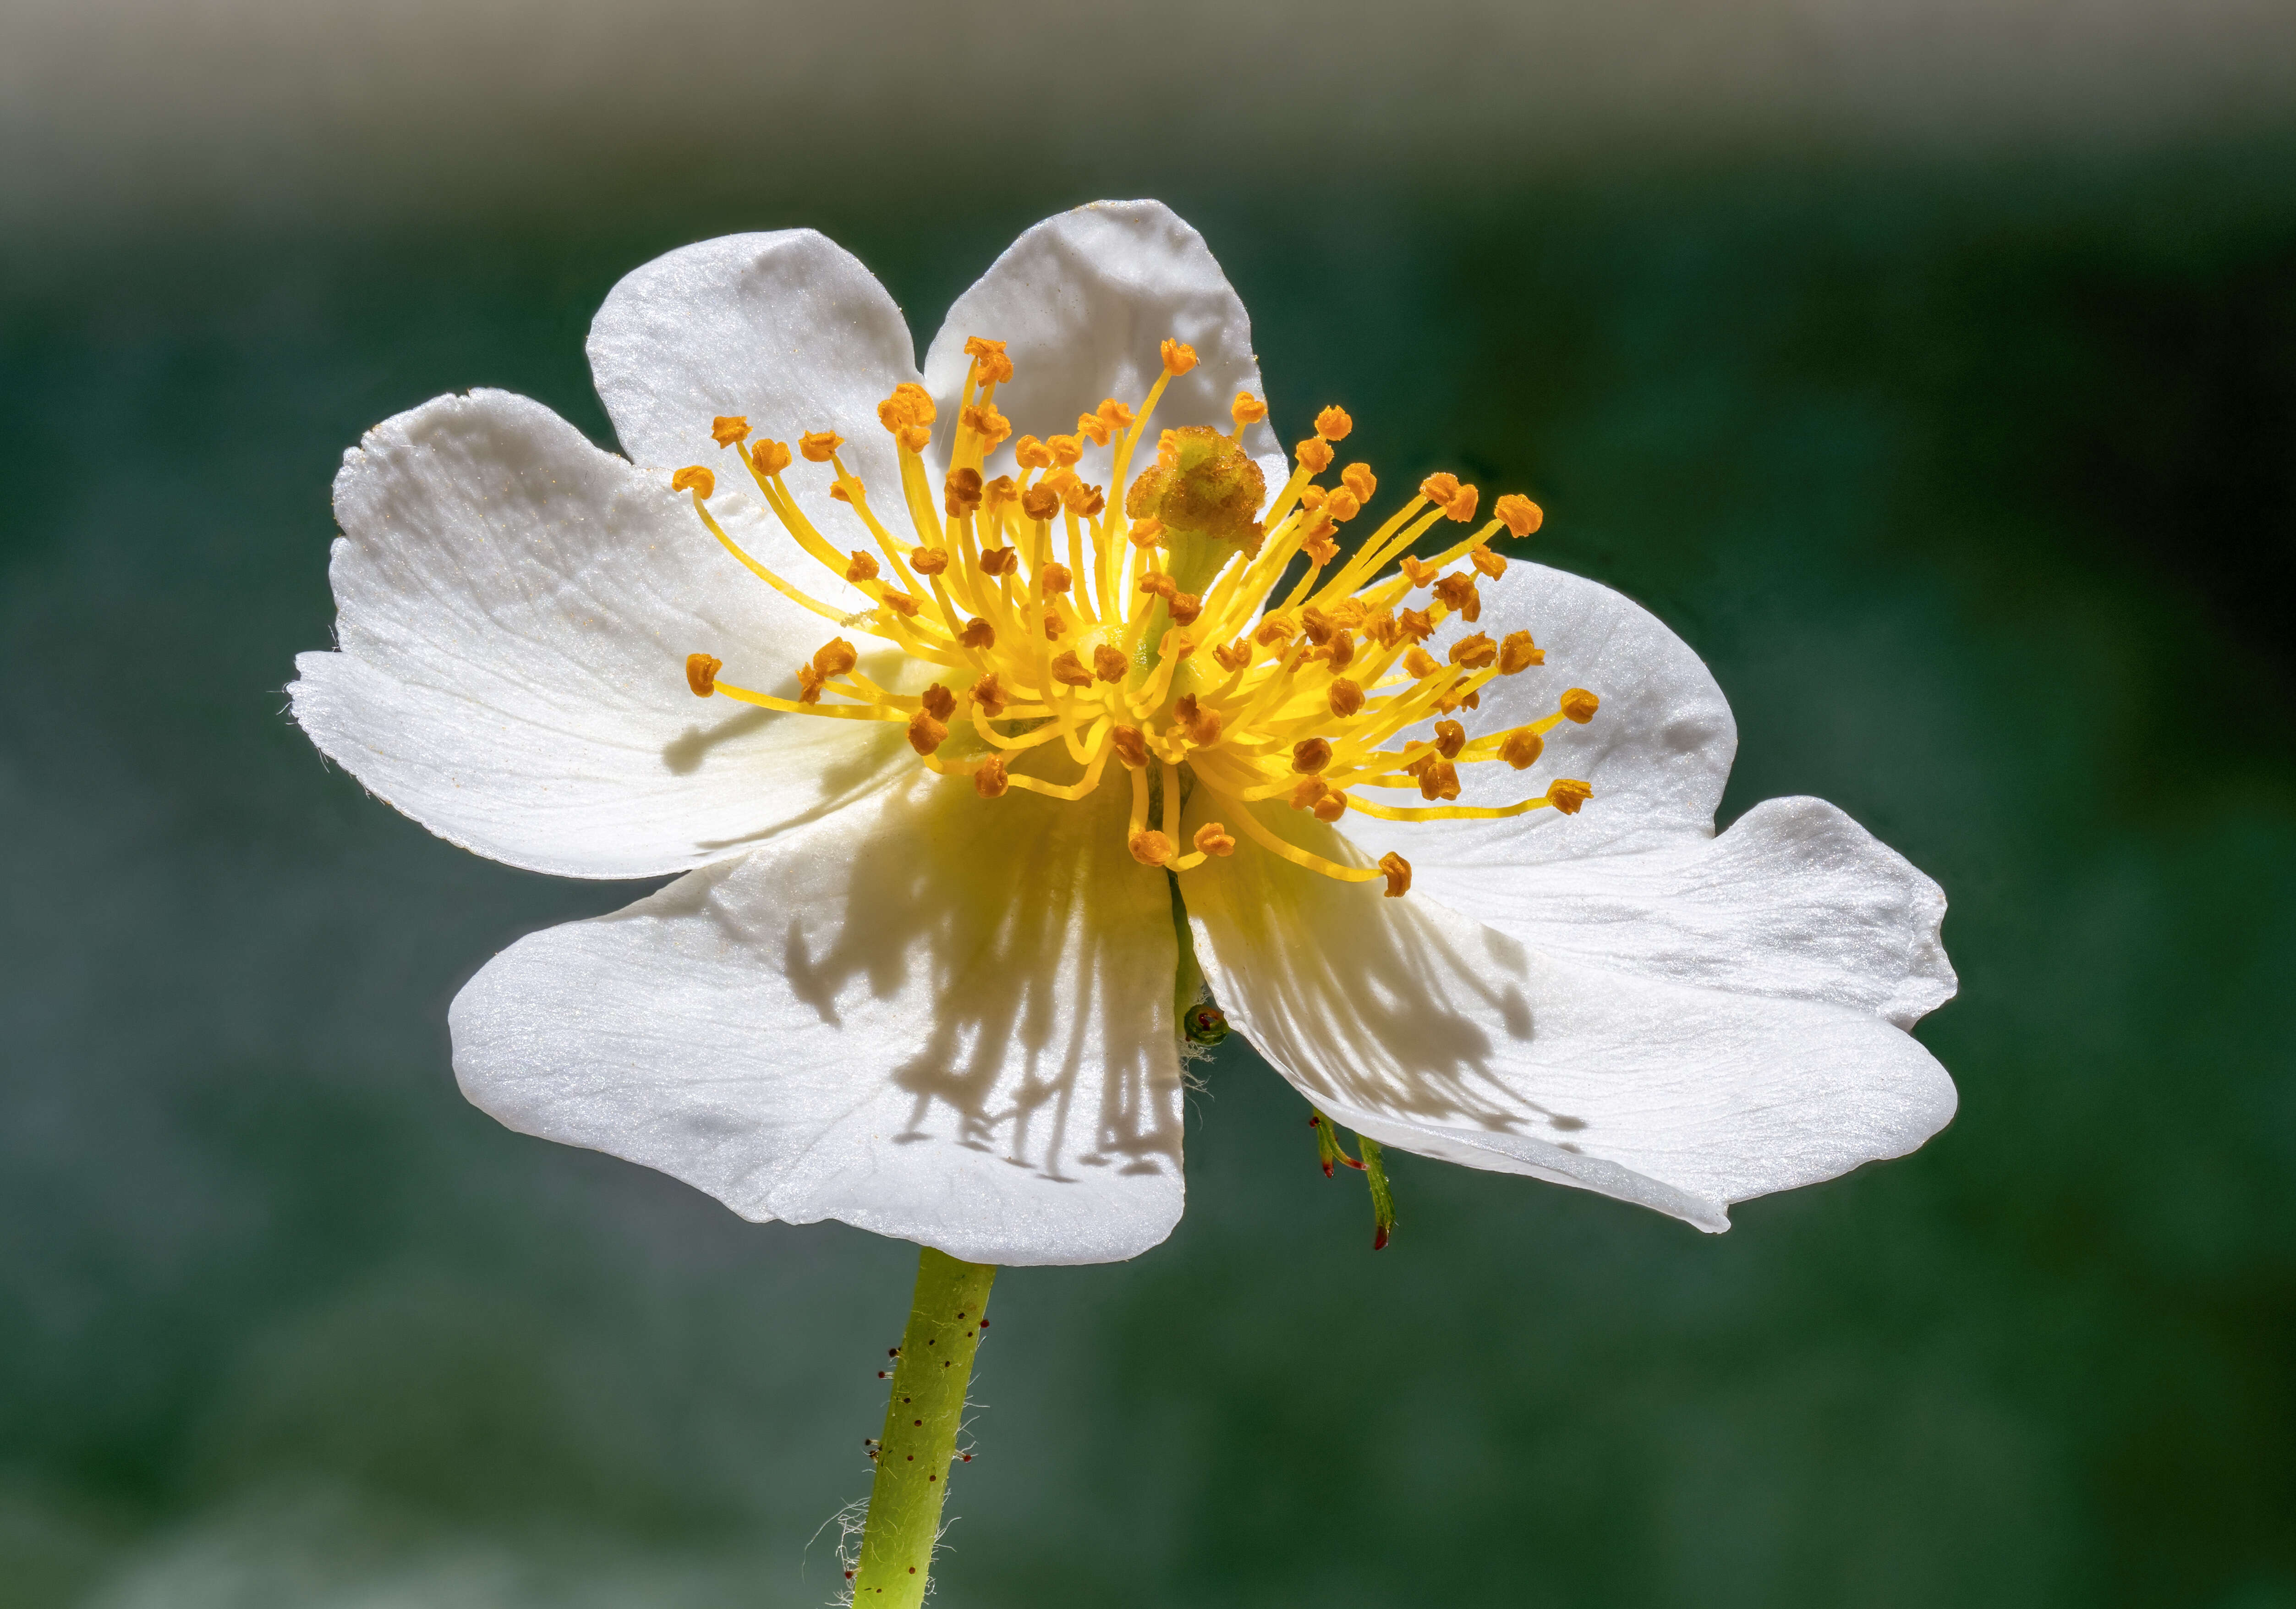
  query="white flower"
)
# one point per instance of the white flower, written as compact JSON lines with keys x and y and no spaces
{"x":906,"y":983}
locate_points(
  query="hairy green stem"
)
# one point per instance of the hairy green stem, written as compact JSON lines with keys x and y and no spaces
{"x":930,"y":1376}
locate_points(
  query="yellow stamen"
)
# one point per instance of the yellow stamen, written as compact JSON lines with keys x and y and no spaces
{"x":1304,"y":694}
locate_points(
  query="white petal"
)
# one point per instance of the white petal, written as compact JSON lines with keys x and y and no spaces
{"x":1084,"y":301}
{"x":789,"y":331}
{"x":514,"y":612}
{"x":1428,"y":1030}
{"x":932,"y":1016}
{"x":1796,"y":898}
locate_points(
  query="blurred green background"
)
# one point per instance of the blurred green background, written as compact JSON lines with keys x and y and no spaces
{"x":1960,"y":439}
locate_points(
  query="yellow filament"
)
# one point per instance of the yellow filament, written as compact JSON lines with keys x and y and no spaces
{"x":761,"y":572}
{"x":790,"y":706}
{"x":1293,"y":853}
{"x":1445,"y":812}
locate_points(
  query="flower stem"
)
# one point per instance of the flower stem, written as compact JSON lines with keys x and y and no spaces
{"x":930,"y":1376}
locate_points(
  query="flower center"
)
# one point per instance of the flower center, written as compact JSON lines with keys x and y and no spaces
{"x":1063,"y":634}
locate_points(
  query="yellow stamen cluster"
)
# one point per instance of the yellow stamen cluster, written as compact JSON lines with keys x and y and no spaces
{"x":1069,"y":622}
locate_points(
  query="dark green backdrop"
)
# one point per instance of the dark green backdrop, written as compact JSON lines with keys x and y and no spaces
{"x":1975,"y":484}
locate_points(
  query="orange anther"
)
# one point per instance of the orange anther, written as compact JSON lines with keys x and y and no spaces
{"x":1314,"y":455}
{"x":1275,"y":629}
{"x":1184,"y":607}
{"x":960,"y":492}
{"x":1149,"y":847}
{"x":929,"y":560}
{"x":925,"y":732}
{"x":1439,"y":779}
{"x":769,"y":458}
{"x":1462,"y":505}
{"x":1131,"y":746}
{"x":1069,"y":670}
{"x":1318,"y":544}
{"x":693,"y":479}
{"x":1065,"y":449}
{"x":1332,"y":424}
{"x":1458,"y":594}
{"x":916,"y":438}
{"x":727,"y":428}
{"x":1178,"y":356}
{"x":1358,"y":479}
{"x":1202,"y":725}
{"x":1145,"y":533}
{"x":988,"y":778}
{"x":1111,"y":417}
{"x":1440,"y":487}
{"x":1491,"y":564}
{"x":1029,"y":453}
{"x":996,"y":494}
{"x":1158,"y":583}
{"x":1476,"y":652}
{"x":1311,"y":497}
{"x":1317,"y":625}
{"x":1418,"y":572}
{"x":988,"y":360}
{"x":938,"y":702}
{"x":1054,"y":625}
{"x":1517,"y":652}
{"x":983,"y":418}
{"x":1450,"y":738}
{"x":1212,"y":839}
{"x":1346,"y":697}
{"x":1416,"y":624}
{"x":1085,"y":502}
{"x":701,"y":673}
{"x":916,"y":401}
{"x":1054,"y":579}
{"x":996,"y":561}
{"x":1233,"y":656}
{"x":819,"y":446}
{"x":1398,"y":874}
{"x":1566,"y":794}
{"x":1421,"y":663}
{"x":808,"y":684}
{"x":1177,"y":645}
{"x":989,"y":693}
{"x":1383,"y":629}
{"x":1307,"y":790}
{"x":978,"y":633}
{"x":1519,"y":515}
{"x":1040,"y":503}
{"x":899,"y":603}
{"x":1108,"y":664}
{"x":1580,"y":705}
{"x":1341,"y":650}
{"x":1342,"y":506}
{"x":1331,"y":807}
{"x":863,"y":567}
{"x":837,"y":493}
{"x":1310,"y":754}
{"x":1521,"y":748}
{"x":1246,"y":409}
